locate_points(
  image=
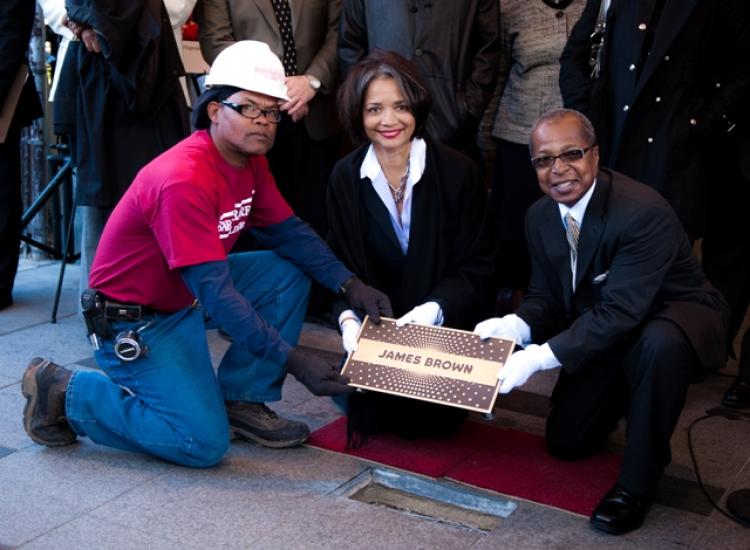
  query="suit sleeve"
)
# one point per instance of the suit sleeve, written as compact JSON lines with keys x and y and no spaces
{"x":575,"y":79}
{"x":113,"y":21}
{"x":215,"y":25}
{"x":542,"y":308}
{"x":352,"y":40}
{"x":324,"y":65}
{"x":646,"y":248}
{"x":344,"y":236}
{"x":483,"y":67}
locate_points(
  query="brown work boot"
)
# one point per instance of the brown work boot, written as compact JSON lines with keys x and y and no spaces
{"x":43,"y":386}
{"x":256,"y":422}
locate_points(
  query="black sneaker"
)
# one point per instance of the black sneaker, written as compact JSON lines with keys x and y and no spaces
{"x":737,"y":395}
{"x":256,"y":422}
{"x":43,"y":385}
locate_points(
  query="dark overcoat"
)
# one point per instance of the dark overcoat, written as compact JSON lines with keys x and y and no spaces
{"x":656,"y":118}
{"x":17,"y":17}
{"x":130,"y":106}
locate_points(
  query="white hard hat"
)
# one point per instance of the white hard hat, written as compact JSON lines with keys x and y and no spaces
{"x":249,"y":65}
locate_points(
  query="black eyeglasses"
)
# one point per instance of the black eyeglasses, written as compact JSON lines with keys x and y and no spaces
{"x":252,"y":111}
{"x":567,"y":157}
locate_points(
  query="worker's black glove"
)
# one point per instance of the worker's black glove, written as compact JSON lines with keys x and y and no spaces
{"x":319,"y":376}
{"x":366,"y":299}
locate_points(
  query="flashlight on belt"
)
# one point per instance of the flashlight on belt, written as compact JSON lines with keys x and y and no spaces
{"x":128,"y":345}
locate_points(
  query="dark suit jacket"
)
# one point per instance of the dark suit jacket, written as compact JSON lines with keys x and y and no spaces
{"x":16,"y":20}
{"x":315,"y":27}
{"x":449,"y":259}
{"x":642,"y":113}
{"x":635,"y":263}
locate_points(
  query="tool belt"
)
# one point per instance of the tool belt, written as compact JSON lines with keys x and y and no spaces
{"x":99,"y":312}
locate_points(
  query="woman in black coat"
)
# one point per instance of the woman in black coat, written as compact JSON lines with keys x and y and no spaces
{"x":408,"y":216}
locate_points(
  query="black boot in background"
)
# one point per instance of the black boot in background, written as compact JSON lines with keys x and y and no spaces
{"x":737,"y":395}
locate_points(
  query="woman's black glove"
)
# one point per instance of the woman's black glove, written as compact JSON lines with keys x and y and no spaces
{"x":319,"y":376}
{"x":366,"y":300}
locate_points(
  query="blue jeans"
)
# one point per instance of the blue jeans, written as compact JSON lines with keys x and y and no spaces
{"x":170,"y":403}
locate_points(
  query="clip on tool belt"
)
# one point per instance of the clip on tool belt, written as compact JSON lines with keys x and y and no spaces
{"x":98,"y":312}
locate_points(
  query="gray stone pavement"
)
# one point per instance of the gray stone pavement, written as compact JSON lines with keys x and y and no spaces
{"x":87,"y":496}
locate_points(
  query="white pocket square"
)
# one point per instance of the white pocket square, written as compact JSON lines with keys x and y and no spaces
{"x":599,"y":279}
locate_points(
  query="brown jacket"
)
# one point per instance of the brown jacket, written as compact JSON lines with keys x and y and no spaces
{"x":315,"y":28}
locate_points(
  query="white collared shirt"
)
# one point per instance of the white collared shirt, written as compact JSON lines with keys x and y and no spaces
{"x":577,"y":212}
{"x":371,"y":169}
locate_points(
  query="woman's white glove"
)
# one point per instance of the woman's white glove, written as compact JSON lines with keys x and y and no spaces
{"x":522,"y":364}
{"x":349,"y":325}
{"x":510,"y":326}
{"x":428,"y":313}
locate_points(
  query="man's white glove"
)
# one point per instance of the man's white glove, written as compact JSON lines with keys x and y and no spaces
{"x":510,"y":326}
{"x":349,"y":325}
{"x":522,"y":364}
{"x":428,"y":313}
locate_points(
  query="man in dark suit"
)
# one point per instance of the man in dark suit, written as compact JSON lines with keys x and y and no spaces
{"x":658,"y":105}
{"x":16,"y":21}
{"x":618,"y":300}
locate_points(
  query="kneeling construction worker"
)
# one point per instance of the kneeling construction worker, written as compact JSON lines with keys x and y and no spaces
{"x":163,"y":273}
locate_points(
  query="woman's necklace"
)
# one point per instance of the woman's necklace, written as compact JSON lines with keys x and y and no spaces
{"x":398,"y":192}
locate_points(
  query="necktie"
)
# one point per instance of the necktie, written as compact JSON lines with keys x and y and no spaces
{"x":284,"y":18}
{"x":572,"y":231}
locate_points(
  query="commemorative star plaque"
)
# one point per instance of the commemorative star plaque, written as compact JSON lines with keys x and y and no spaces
{"x":440,"y":365}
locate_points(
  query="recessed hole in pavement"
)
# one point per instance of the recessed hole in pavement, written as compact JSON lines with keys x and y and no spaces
{"x":436,"y":500}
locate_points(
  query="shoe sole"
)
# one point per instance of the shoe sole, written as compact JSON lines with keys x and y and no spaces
{"x":607,"y":528}
{"x":30,"y":390}
{"x":271,"y":444}
{"x":735,"y":406}
{"x":610,"y":530}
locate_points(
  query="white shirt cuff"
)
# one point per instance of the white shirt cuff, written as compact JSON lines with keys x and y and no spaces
{"x":547,"y":358}
{"x":522,"y":329}
{"x":346,"y":315}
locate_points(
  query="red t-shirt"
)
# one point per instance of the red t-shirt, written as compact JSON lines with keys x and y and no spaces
{"x":185,"y":207}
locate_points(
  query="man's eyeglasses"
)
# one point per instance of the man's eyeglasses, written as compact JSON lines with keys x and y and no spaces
{"x":251,"y":110}
{"x":567,"y":157}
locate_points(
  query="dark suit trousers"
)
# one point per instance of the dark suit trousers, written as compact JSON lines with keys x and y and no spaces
{"x":10,"y":210}
{"x":726,"y":244}
{"x":515,"y":187}
{"x":645,"y":380}
{"x":301,"y":167}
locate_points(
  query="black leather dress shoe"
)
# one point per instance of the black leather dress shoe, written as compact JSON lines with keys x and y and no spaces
{"x":737,"y":395}
{"x":620,"y":511}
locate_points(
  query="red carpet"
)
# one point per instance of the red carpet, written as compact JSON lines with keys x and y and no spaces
{"x":506,"y":461}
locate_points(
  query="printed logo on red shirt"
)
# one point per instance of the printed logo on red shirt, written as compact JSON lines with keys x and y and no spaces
{"x":233,"y":221}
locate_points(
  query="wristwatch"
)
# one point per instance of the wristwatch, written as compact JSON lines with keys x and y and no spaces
{"x":314,"y":82}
